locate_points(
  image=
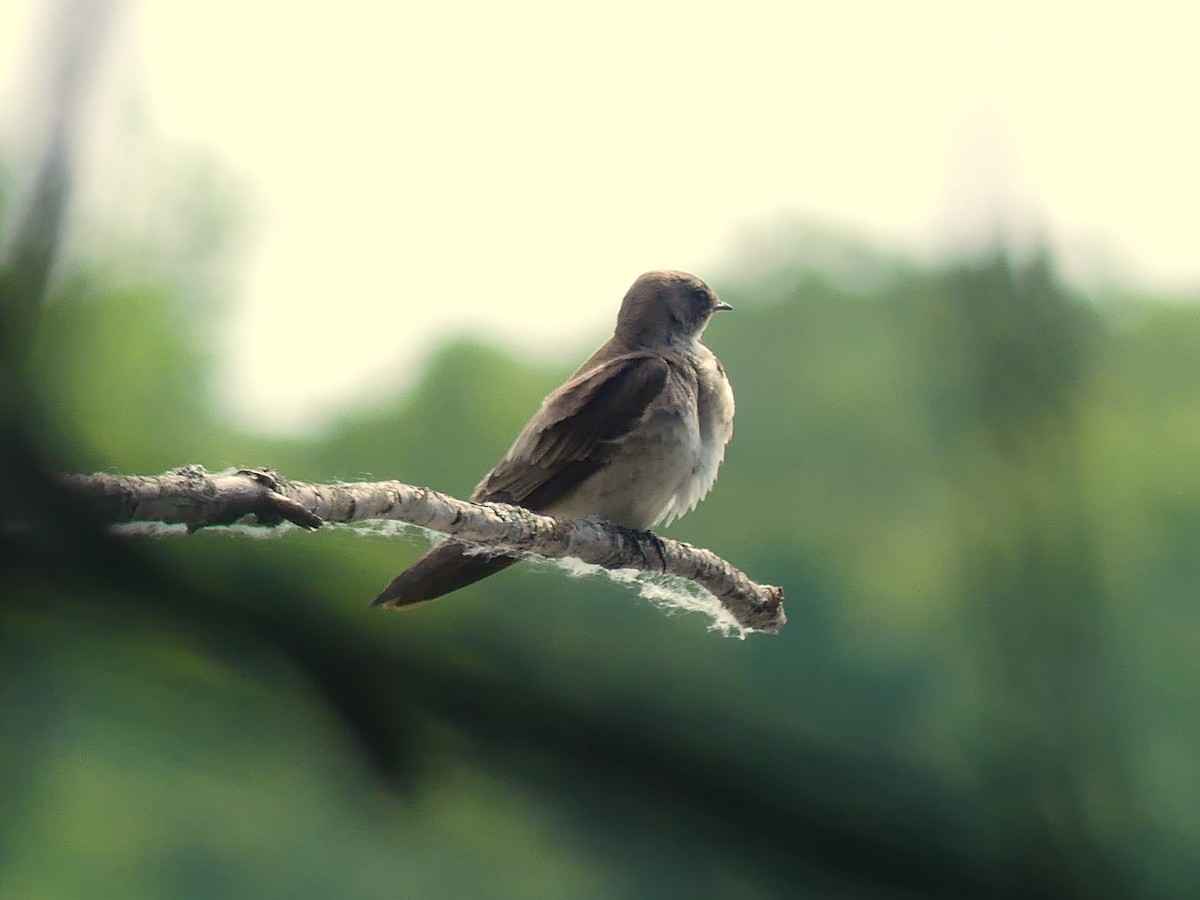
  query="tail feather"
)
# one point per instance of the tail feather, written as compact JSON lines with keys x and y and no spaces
{"x":445,"y":568}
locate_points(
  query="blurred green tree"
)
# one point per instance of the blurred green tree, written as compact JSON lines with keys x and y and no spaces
{"x":977,"y":488}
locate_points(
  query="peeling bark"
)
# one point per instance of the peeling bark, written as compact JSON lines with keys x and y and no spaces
{"x":198,"y":499}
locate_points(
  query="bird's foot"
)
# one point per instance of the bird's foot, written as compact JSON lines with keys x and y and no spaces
{"x":639,"y":539}
{"x":660,"y":548}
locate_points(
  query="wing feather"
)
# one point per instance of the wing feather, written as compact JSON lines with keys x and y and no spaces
{"x":572,"y":436}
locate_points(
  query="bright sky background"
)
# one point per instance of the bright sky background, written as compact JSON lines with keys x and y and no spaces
{"x":408,"y":171}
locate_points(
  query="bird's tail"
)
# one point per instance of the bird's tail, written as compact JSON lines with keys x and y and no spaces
{"x":445,"y":568}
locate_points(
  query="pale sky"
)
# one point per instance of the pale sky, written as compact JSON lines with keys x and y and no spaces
{"x":406,"y":172}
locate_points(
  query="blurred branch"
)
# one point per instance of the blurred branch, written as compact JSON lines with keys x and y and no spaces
{"x":196,"y":498}
{"x":70,"y":60}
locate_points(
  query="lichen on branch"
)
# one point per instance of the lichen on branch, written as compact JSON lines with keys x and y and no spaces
{"x":199,"y":499}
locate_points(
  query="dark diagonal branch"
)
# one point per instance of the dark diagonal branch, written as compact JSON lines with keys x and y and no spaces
{"x":196,"y":498}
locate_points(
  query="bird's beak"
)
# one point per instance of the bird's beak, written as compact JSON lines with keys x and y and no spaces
{"x":721,"y":304}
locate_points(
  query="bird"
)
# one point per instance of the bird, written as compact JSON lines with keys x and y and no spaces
{"x":634,"y":437}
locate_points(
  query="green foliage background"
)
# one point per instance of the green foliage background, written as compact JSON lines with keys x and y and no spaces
{"x":978,"y":487}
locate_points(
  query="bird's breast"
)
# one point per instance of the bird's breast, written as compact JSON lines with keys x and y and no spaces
{"x":714,"y":421}
{"x":663,"y":468}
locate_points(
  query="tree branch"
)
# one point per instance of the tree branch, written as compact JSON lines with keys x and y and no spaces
{"x":196,"y":498}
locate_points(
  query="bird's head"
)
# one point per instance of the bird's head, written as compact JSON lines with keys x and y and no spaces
{"x":666,"y":307}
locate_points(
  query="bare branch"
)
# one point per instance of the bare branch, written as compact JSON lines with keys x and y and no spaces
{"x":196,"y":498}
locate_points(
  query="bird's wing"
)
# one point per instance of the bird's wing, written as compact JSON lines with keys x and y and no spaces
{"x":572,"y":436}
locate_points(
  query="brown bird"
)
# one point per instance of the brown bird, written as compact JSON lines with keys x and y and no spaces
{"x":635,"y":436}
